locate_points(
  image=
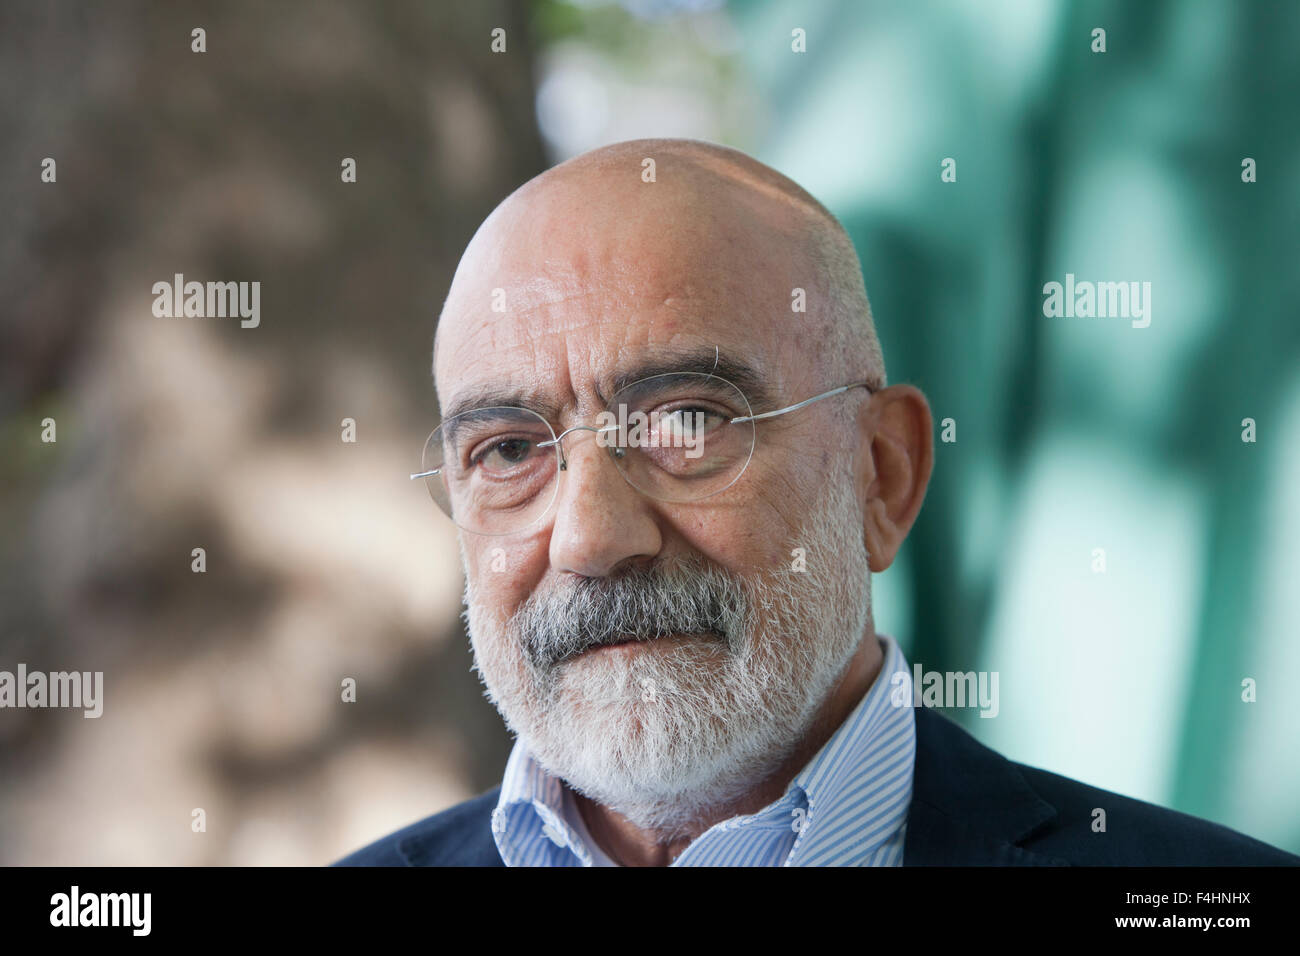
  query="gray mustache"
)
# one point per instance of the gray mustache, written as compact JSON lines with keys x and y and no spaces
{"x":642,"y":604}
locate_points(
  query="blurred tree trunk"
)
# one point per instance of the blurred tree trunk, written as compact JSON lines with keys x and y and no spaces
{"x":225,"y":165}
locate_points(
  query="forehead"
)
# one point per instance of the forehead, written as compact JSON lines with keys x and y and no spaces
{"x":566,"y":356}
{"x":561,"y":292}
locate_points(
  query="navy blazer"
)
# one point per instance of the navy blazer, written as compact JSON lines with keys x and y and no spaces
{"x":970,"y":806}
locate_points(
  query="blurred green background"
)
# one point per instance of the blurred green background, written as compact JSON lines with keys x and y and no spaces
{"x":1072,"y":434}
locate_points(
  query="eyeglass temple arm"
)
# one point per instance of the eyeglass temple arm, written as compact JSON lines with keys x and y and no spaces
{"x":797,"y":405}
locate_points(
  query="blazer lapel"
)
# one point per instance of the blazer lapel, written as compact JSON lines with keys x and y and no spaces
{"x":461,"y":836}
{"x":970,"y":805}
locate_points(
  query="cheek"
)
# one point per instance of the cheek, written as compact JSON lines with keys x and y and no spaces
{"x":744,"y":537}
{"x":504,"y":571}
{"x":757,"y":522}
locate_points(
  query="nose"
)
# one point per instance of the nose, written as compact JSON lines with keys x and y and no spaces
{"x":601,"y":522}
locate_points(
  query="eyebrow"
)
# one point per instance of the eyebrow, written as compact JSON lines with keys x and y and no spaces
{"x":493,"y":396}
{"x":744,"y":375}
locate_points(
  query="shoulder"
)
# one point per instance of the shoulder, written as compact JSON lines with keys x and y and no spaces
{"x":458,"y":836}
{"x":963,"y":787}
{"x":1136,"y":833}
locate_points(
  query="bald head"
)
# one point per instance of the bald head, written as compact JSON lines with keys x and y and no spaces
{"x":672,"y":221}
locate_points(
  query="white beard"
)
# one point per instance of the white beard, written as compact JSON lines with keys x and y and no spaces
{"x":681,"y":725}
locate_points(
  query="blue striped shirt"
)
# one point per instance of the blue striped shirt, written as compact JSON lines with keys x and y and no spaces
{"x":847,"y":807}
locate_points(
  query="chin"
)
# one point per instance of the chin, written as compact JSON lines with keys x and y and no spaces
{"x":655,"y":730}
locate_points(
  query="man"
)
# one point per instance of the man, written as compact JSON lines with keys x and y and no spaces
{"x":669,"y":445}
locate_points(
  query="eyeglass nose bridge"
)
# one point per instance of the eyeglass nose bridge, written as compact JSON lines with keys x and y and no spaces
{"x":558,"y":440}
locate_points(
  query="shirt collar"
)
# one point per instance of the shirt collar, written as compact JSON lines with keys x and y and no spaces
{"x":859,"y":785}
{"x":848,"y":806}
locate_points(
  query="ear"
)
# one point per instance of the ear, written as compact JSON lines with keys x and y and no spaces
{"x":894,"y":461}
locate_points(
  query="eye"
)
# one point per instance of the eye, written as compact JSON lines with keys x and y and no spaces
{"x":683,"y":418}
{"x":502,"y":454}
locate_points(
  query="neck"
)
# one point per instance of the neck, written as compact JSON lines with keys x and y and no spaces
{"x":630,"y":845}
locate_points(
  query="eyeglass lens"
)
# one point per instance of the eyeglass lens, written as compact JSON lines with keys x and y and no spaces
{"x":496,"y":469}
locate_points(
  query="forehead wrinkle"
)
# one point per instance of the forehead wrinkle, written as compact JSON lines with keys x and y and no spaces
{"x":548,"y":316}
